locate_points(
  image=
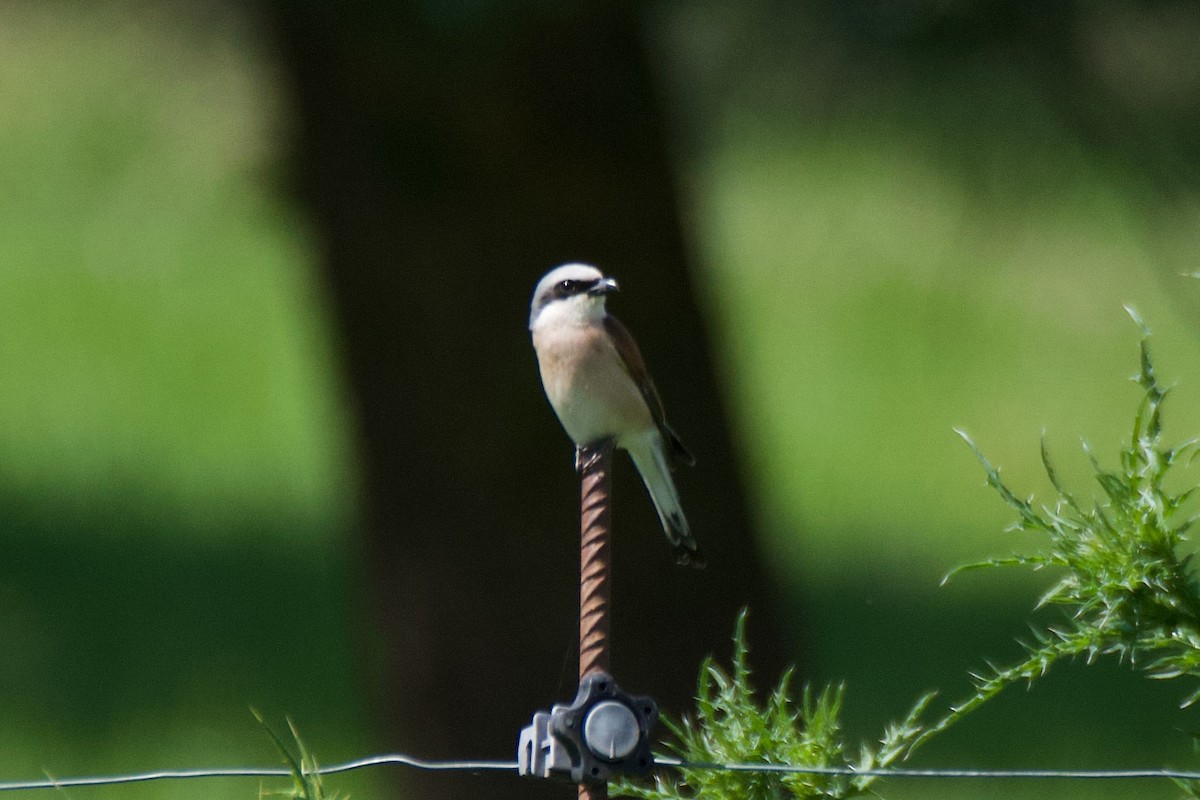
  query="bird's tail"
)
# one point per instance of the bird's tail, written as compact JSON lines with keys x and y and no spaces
{"x":650,"y":458}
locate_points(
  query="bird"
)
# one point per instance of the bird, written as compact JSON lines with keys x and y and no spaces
{"x":598,"y":386}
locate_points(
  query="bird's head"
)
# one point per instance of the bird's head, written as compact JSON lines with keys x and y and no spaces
{"x":573,"y":290}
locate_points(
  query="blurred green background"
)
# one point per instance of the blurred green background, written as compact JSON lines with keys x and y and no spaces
{"x":883,"y":260}
{"x":175,"y":479}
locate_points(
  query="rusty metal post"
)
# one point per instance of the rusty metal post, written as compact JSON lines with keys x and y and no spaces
{"x":595,"y":570}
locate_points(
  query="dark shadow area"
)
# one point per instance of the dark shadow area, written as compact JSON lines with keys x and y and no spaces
{"x":113,"y":623}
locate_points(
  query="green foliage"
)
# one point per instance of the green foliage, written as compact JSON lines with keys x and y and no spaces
{"x":306,"y":774}
{"x":1128,"y":586}
{"x":731,"y":726}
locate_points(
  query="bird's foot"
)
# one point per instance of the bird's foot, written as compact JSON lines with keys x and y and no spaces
{"x":587,"y":455}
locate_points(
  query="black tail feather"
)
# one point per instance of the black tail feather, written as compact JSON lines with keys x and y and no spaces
{"x":677,"y":452}
{"x":687,"y":549}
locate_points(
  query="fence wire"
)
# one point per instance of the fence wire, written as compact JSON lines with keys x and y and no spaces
{"x":666,"y":763}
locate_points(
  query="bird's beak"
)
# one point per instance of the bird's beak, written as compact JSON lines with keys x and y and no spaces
{"x":604,"y":286}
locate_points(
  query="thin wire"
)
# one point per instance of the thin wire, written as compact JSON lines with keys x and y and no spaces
{"x":673,"y":763}
{"x":257,"y":772}
{"x":968,"y":774}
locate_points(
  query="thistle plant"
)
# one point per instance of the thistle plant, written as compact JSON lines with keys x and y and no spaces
{"x":731,"y":726}
{"x":1128,"y":586}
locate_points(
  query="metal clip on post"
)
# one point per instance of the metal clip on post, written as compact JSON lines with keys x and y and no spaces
{"x":605,"y":732}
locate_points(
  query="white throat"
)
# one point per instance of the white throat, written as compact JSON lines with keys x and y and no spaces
{"x":580,"y":309}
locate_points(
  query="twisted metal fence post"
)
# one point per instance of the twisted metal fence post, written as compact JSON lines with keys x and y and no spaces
{"x":595,"y":569}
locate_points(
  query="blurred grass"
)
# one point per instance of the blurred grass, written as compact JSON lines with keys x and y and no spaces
{"x":173,"y":465}
{"x":174,"y":474}
{"x":128,"y":659}
{"x":869,"y":307}
{"x":158,"y":317}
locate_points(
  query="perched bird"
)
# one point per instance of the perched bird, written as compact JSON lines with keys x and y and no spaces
{"x":597,"y":383}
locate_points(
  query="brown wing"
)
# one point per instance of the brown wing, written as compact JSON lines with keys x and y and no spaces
{"x":627,"y":349}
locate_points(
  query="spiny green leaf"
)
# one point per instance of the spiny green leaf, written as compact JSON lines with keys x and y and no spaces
{"x":1129,"y":590}
{"x":731,"y":725}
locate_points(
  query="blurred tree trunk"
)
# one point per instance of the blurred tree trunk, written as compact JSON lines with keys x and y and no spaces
{"x":450,"y":154}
